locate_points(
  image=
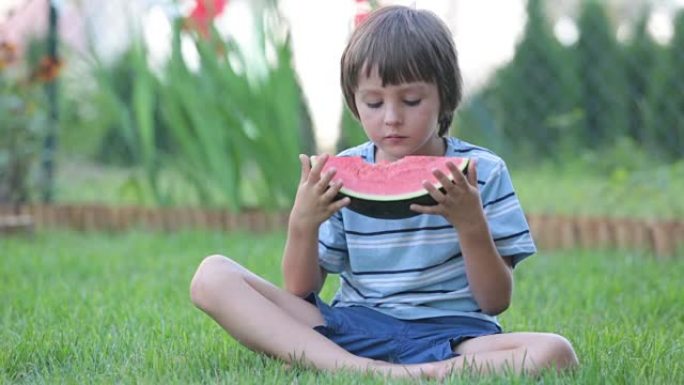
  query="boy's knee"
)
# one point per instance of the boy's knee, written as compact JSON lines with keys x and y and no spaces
{"x":212,"y":271}
{"x":560,"y":352}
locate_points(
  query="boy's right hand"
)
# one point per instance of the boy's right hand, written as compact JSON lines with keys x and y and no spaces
{"x":315,"y":202}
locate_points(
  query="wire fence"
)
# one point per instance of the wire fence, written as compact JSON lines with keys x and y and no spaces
{"x":599,"y":94}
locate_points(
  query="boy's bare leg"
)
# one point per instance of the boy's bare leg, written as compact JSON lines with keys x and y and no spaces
{"x":268,"y":319}
{"x":527,"y":353}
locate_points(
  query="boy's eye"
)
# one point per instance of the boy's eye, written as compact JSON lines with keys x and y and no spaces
{"x":374,"y":105}
{"x":412,"y":103}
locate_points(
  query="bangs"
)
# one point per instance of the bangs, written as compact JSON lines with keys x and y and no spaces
{"x":405,"y":63}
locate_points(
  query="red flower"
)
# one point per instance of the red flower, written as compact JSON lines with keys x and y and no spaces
{"x":48,"y":69}
{"x":8,"y":54}
{"x":204,"y":13}
{"x":363,"y":9}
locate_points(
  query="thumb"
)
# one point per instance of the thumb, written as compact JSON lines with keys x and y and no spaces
{"x":306,"y":167}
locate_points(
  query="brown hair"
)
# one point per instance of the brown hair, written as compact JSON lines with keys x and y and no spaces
{"x":405,"y":45}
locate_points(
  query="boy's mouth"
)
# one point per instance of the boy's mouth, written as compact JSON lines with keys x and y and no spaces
{"x":395,"y":140}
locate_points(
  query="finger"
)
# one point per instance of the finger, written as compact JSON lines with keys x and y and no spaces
{"x":443,"y":179}
{"x":326,"y":181}
{"x":472,"y":172}
{"x":339,"y":204}
{"x":334,"y":189}
{"x":306,"y":167}
{"x":317,"y":167}
{"x":456,"y":173}
{"x":424,"y":209}
{"x":437,"y":195}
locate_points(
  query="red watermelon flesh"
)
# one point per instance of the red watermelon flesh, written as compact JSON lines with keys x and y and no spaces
{"x":387,"y":190}
{"x":399,"y":180}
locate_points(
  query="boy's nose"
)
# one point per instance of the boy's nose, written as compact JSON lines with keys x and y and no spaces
{"x":392,"y":115}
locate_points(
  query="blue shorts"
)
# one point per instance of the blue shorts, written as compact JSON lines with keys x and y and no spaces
{"x":368,"y":333}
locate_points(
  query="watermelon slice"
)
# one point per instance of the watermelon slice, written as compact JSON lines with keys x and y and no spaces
{"x":386,"y":190}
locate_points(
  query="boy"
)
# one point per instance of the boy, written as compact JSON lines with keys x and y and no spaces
{"x":418,"y":296}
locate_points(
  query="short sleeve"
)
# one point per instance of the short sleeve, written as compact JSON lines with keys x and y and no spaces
{"x":505,"y":216}
{"x":332,"y":244}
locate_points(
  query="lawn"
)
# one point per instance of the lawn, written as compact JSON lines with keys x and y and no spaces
{"x":104,"y":308}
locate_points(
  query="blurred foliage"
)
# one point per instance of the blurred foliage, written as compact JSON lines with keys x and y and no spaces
{"x":351,"y":131}
{"x":559,"y":102}
{"x":664,"y":106}
{"x":533,"y":95}
{"x":623,"y":182}
{"x":116,"y":107}
{"x":22,"y":123}
{"x":601,"y":70}
{"x":225,"y":133}
{"x":642,"y":53}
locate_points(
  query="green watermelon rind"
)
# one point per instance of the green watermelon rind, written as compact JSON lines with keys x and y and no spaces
{"x":393,"y":206}
{"x":396,"y":209}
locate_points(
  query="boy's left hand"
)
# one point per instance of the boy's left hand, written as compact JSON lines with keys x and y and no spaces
{"x":460,"y":201}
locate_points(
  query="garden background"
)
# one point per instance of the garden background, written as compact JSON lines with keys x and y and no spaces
{"x":118,"y":174}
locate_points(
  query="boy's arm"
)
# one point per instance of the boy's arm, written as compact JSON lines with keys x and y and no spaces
{"x":490,"y":266}
{"x":490,"y":276}
{"x":301,"y":272}
{"x":314,"y":203}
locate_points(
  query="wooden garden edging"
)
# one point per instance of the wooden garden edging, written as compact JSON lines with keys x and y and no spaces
{"x":664,"y":238}
{"x":93,"y":217}
{"x":20,"y":224}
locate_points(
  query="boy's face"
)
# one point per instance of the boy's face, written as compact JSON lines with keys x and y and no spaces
{"x":400,"y":119}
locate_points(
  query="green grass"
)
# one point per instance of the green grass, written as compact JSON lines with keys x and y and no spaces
{"x":79,"y":181}
{"x":103,"y":308}
{"x":652,"y":192}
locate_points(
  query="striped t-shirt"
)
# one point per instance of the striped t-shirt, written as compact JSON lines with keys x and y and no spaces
{"x":412,"y":268}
